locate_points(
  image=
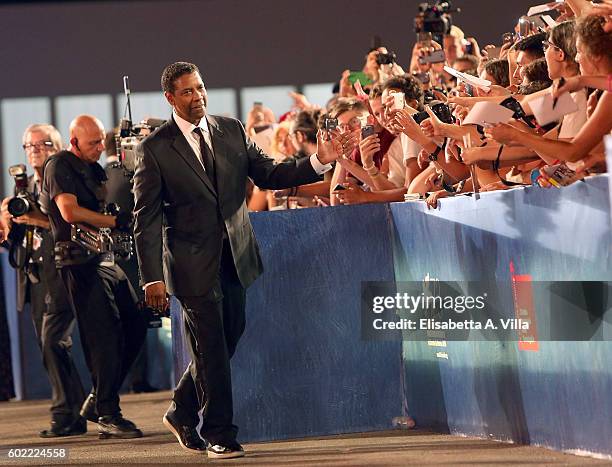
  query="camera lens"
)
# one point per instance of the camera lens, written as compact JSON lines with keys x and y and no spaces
{"x":18,"y":206}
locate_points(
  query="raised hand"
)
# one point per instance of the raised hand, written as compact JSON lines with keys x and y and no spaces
{"x":339,"y":145}
{"x":368,"y":147}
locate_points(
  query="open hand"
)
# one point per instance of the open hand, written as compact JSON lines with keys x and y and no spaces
{"x":339,"y":145}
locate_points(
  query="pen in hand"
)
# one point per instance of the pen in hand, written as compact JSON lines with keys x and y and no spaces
{"x":561,"y":83}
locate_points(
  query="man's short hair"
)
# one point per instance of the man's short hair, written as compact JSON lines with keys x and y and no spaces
{"x":407,"y":84}
{"x":499,"y":70}
{"x":533,"y":87}
{"x":532,"y":45}
{"x":472,"y":60}
{"x":346,"y":104}
{"x":173,"y":72}
{"x":306,"y":121}
{"x":49,"y":130}
{"x":537,"y":71}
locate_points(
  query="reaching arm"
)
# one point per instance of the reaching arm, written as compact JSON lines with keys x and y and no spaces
{"x":73,"y":213}
{"x":585,"y":141}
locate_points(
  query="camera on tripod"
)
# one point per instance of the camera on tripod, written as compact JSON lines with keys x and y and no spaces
{"x":22,"y":202}
{"x":435,"y":19}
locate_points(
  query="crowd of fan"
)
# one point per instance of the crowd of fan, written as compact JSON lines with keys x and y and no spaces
{"x":420,"y":147}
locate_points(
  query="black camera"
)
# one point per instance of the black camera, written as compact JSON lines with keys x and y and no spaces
{"x":388,"y":58}
{"x":22,"y":202}
{"x":440,"y":110}
{"x":435,"y":19}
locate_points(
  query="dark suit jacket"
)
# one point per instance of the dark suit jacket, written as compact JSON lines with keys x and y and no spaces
{"x":178,"y":211}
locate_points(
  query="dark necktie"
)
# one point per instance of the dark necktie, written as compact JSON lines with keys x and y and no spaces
{"x":207,"y":157}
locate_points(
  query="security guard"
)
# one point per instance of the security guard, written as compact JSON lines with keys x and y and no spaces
{"x":111,"y":328}
{"x":39,"y":284}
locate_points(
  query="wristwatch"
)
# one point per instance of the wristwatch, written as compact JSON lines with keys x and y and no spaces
{"x":434,"y":155}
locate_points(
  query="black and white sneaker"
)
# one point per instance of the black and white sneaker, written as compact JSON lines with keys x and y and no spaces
{"x":187,"y":437}
{"x":225,"y":451}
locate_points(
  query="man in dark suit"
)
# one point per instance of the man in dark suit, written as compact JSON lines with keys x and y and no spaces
{"x":190,"y":210}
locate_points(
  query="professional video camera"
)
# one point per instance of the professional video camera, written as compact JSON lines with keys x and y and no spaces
{"x":22,"y":202}
{"x":104,"y":240}
{"x":435,"y":19}
{"x":130,"y":135}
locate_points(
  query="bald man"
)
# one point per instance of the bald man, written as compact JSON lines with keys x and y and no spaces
{"x":104,"y":303}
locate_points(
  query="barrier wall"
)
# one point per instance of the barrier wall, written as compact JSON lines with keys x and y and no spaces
{"x":558,"y":396}
{"x":301,"y":368}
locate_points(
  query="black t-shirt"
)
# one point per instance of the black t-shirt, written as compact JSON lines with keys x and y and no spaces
{"x":64,"y":172}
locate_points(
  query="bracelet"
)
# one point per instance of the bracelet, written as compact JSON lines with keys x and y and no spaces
{"x":372,"y":171}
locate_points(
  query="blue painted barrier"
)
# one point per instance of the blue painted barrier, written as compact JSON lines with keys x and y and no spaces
{"x":301,"y":369}
{"x":557,"y":396}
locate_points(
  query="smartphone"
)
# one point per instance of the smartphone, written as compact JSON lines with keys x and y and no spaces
{"x":399,"y":101}
{"x":330,"y":123}
{"x":469,"y":89}
{"x":360,"y":76}
{"x":437,"y":56}
{"x":339,"y":187}
{"x":366,"y":131}
{"x":525,"y":26}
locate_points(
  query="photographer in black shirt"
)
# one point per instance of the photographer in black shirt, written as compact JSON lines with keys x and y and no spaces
{"x":39,"y":284}
{"x":111,"y":328}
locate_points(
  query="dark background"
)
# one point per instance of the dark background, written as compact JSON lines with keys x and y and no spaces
{"x":64,"y":48}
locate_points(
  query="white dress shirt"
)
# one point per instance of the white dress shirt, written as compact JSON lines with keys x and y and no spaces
{"x":193,"y":138}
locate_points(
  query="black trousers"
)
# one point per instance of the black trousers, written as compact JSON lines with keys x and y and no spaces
{"x":213,"y":325}
{"x":53,"y":321}
{"x":111,"y":327}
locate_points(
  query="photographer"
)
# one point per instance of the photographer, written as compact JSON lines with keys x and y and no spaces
{"x":119,"y":192}
{"x":39,"y":284}
{"x":104,"y":302}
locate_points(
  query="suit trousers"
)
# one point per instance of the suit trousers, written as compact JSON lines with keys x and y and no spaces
{"x":111,"y":327}
{"x":213,"y":325}
{"x":53,"y":321}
